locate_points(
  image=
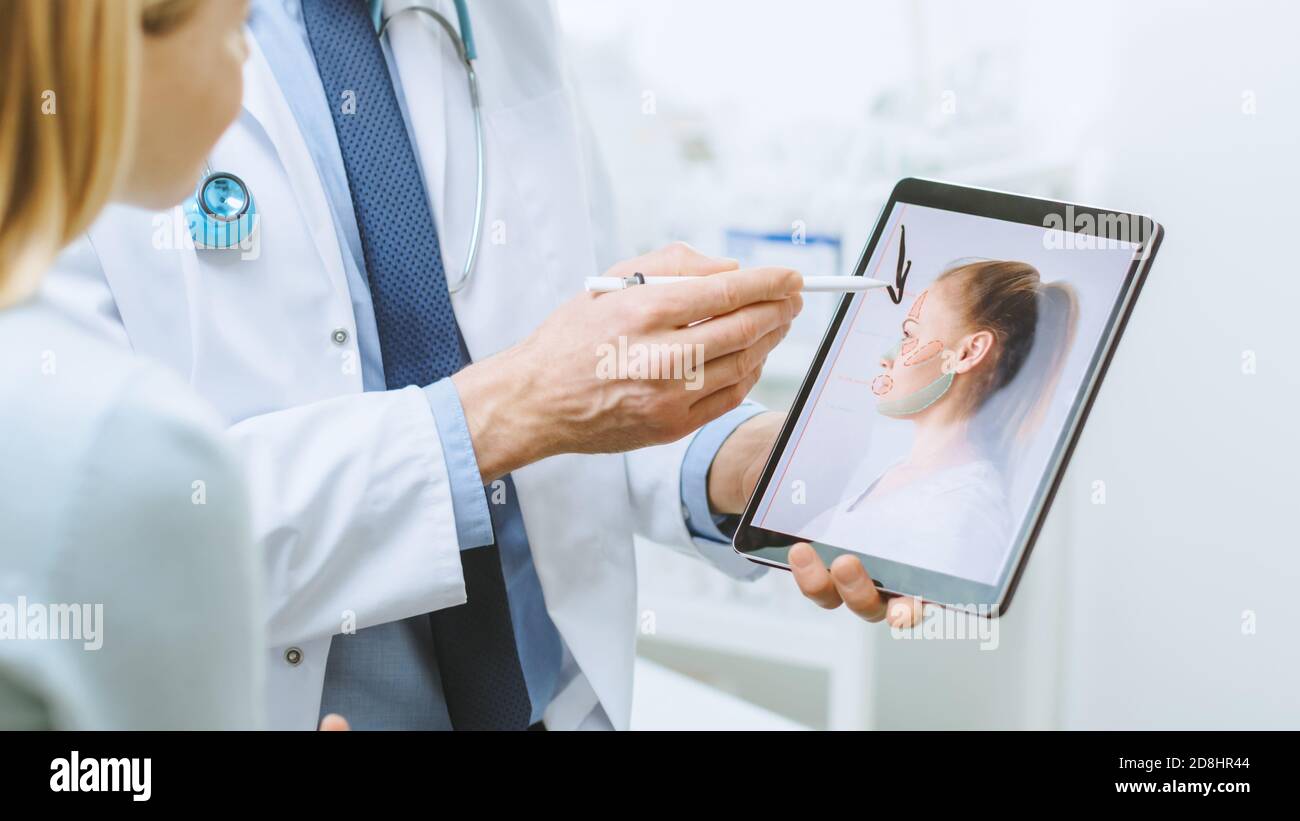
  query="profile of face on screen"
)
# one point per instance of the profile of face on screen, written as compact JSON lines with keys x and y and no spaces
{"x":938,"y":408}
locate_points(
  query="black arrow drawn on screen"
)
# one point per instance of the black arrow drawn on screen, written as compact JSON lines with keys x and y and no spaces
{"x":904,"y":268}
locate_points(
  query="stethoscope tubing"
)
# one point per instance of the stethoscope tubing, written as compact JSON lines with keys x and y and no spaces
{"x":463,"y":44}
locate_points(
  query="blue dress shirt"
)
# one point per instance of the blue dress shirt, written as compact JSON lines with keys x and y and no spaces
{"x":281,"y":33}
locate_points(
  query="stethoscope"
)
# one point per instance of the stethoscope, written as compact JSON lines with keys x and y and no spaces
{"x":222,"y":214}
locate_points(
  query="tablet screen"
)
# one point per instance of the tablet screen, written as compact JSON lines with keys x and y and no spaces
{"x":940,"y":405}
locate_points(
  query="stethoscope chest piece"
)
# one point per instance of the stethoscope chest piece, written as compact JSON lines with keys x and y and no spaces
{"x":221,"y":214}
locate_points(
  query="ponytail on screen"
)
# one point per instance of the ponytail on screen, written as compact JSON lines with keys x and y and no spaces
{"x":1033,"y":325}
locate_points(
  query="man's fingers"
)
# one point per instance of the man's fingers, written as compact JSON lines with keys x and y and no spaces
{"x":904,"y":611}
{"x":682,"y":303}
{"x":738,"y":330}
{"x":726,"y":371}
{"x":847,"y":582}
{"x":721,"y":383}
{"x":674,"y":259}
{"x":856,"y":588}
{"x":811,"y":576}
{"x":718,"y":401}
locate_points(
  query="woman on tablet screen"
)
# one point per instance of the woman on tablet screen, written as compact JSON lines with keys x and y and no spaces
{"x":979,"y":357}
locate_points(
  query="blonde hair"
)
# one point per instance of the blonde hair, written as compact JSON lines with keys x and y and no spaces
{"x":69,"y":76}
{"x":1033,"y":324}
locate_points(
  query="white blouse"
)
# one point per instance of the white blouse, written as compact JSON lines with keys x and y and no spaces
{"x":129,"y":592}
{"x":955,"y":521}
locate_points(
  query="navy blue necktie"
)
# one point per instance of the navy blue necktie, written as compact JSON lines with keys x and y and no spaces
{"x":478,"y":660}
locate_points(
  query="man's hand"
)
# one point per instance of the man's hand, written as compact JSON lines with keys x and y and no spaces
{"x":847,"y":583}
{"x":574,"y":386}
{"x":739,"y":462}
{"x":732,"y":478}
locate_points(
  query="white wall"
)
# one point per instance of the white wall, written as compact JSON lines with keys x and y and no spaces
{"x":1199,"y":458}
{"x":1171,"y":604}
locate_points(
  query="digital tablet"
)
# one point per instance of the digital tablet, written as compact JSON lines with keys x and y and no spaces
{"x":937,"y":418}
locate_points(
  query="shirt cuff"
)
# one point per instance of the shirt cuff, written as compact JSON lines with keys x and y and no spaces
{"x":700,"y":521}
{"x":468,"y":497}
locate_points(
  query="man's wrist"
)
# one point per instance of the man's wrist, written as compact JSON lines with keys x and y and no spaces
{"x":503,"y":424}
{"x":737,"y":465}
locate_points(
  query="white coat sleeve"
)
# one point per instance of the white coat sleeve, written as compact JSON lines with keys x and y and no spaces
{"x":352,"y":511}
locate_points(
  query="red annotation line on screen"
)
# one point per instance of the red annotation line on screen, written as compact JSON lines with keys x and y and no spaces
{"x":857,"y":311}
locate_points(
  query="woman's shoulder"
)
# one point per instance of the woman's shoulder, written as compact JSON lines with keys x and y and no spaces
{"x":86,"y":426}
{"x":74,"y":376}
{"x":118,"y":489}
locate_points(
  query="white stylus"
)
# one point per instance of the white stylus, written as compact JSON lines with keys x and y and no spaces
{"x":604,"y":284}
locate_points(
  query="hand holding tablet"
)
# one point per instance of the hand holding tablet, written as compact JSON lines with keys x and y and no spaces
{"x":934,"y":424}
{"x":847,"y":582}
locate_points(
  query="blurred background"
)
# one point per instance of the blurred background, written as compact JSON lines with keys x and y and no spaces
{"x":773,"y":132}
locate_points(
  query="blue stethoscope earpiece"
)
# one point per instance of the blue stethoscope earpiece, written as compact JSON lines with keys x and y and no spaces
{"x":221,"y":214}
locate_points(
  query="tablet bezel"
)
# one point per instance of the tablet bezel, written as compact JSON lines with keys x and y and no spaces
{"x":939,"y":588}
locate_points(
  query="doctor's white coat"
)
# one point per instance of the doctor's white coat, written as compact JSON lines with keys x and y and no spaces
{"x":352,"y":507}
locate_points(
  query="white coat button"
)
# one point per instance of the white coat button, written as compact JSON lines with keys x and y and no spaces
{"x":340,"y":336}
{"x":293,"y":655}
